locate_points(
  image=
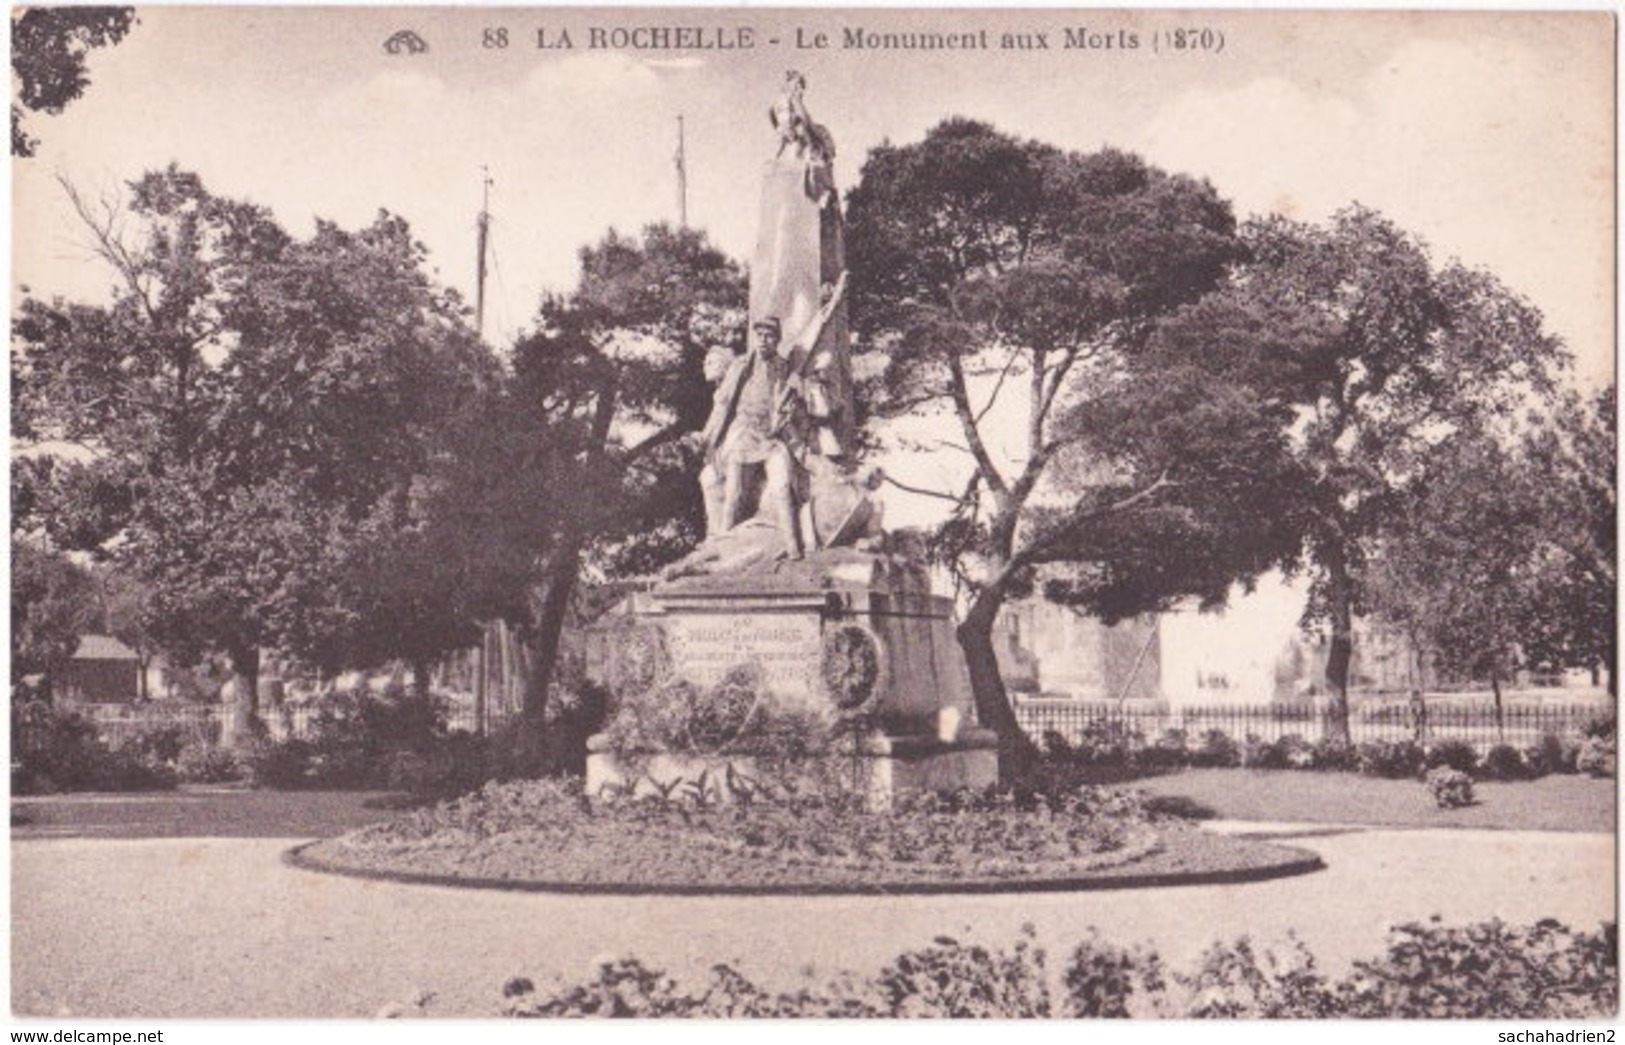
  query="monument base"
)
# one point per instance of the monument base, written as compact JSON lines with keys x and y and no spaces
{"x":844,"y":637}
{"x":879,"y":768}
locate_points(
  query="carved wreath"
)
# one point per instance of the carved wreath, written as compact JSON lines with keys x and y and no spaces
{"x":850,"y":668}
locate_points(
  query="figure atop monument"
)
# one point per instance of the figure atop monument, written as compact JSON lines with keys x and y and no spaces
{"x":796,"y":126}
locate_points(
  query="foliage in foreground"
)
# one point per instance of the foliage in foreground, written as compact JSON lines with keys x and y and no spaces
{"x":1484,"y":970}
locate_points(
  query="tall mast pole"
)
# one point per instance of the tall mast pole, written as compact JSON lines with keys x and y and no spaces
{"x":682,"y":177}
{"x":484,"y":238}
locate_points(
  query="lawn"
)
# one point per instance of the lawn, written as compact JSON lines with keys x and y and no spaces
{"x":196,"y":812}
{"x":1553,"y":803}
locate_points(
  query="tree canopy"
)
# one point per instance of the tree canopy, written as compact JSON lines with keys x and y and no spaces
{"x":1412,"y":354}
{"x":250,"y":408}
{"x":48,"y":50}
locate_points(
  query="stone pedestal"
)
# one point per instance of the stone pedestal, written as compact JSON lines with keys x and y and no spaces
{"x":799,"y":624}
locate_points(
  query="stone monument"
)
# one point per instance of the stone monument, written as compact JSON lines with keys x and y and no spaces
{"x":797,"y":581}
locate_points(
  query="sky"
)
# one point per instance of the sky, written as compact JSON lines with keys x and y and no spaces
{"x":1490,"y":135}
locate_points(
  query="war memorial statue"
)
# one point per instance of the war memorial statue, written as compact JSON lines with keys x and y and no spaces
{"x":796,"y":576}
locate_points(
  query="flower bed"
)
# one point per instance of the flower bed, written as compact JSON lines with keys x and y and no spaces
{"x":544,"y":835}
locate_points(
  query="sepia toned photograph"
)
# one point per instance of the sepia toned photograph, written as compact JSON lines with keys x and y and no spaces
{"x":744,"y":513}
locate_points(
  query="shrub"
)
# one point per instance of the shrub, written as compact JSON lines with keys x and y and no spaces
{"x":202,"y":762}
{"x":56,"y":750}
{"x":945,"y":979}
{"x":1333,"y":754}
{"x":1553,"y":754}
{"x":1257,"y":753}
{"x":1596,"y":757}
{"x":1237,"y":981}
{"x":1452,"y":754}
{"x":1451,"y":788}
{"x":53,"y":750}
{"x":157,"y":743}
{"x":1393,"y":759}
{"x":1107,"y":742}
{"x":1488,"y":970}
{"x":1503,"y":762}
{"x":1295,"y":752}
{"x":278,"y":764}
{"x":1602,"y":727}
{"x":1167,"y":751}
{"x":1105,"y":981}
{"x":1216,"y":749}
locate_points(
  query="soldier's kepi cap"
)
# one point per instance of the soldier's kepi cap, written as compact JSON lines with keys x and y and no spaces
{"x":767,"y":323}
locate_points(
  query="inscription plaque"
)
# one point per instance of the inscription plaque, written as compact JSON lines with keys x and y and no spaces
{"x":787,"y":646}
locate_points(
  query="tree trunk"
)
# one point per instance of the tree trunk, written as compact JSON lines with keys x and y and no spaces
{"x":420,"y":680}
{"x":1500,"y":715}
{"x":245,"y":683}
{"x":552,"y":602}
{"x":1341,"y":653}
{"x":1018,"y":755}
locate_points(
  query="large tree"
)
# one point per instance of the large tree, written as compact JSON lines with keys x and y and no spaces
{"x":1467,"y":563}
{"x":1415,"y":352}
{"x":615,"y":374}
{"x":987,"y":268}
{"x":1576,"y":455}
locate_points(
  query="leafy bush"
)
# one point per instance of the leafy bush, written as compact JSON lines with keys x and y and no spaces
{"x":1596,"y":757}
{"x":1237,"y":981}
{"x":1452,"y":754}
{"x":1108,"y":742}
{"x":1331,"y":754}
{"x":203,"y":762}
{"x":362,"y":740}
{"x":674,"y":715}
{"x":1295,"y":752}
{"x":1487,"y":970}
{"x":1257,"y":753}
{"x":1503,"y":762}
{"x":1393,"y":759}
{"x":279,"y":764}
{"x":1603,"y":727}
{"x":1451,"y":788}
{"x":955,"y":980}
{"x":1168,"y":751}
{"x":56,"y":750}
{"x":1105,"y":981}
{"x":1216,"y":749}
{"x":945,"y":979}
{"x":1553,"y":754}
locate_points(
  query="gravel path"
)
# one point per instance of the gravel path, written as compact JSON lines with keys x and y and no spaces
{"x":175,"y":927}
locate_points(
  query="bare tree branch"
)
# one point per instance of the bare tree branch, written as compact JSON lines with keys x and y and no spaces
{"x":921,"y":490}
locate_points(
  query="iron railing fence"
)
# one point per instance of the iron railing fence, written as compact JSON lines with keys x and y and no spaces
{"x":1518,"y":724}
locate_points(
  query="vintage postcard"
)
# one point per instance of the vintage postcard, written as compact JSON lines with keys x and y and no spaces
{"x":812,"y":512}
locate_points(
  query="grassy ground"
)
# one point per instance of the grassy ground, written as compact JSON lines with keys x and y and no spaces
{"x":214,"y":812}
{"x":1554,"y":803}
